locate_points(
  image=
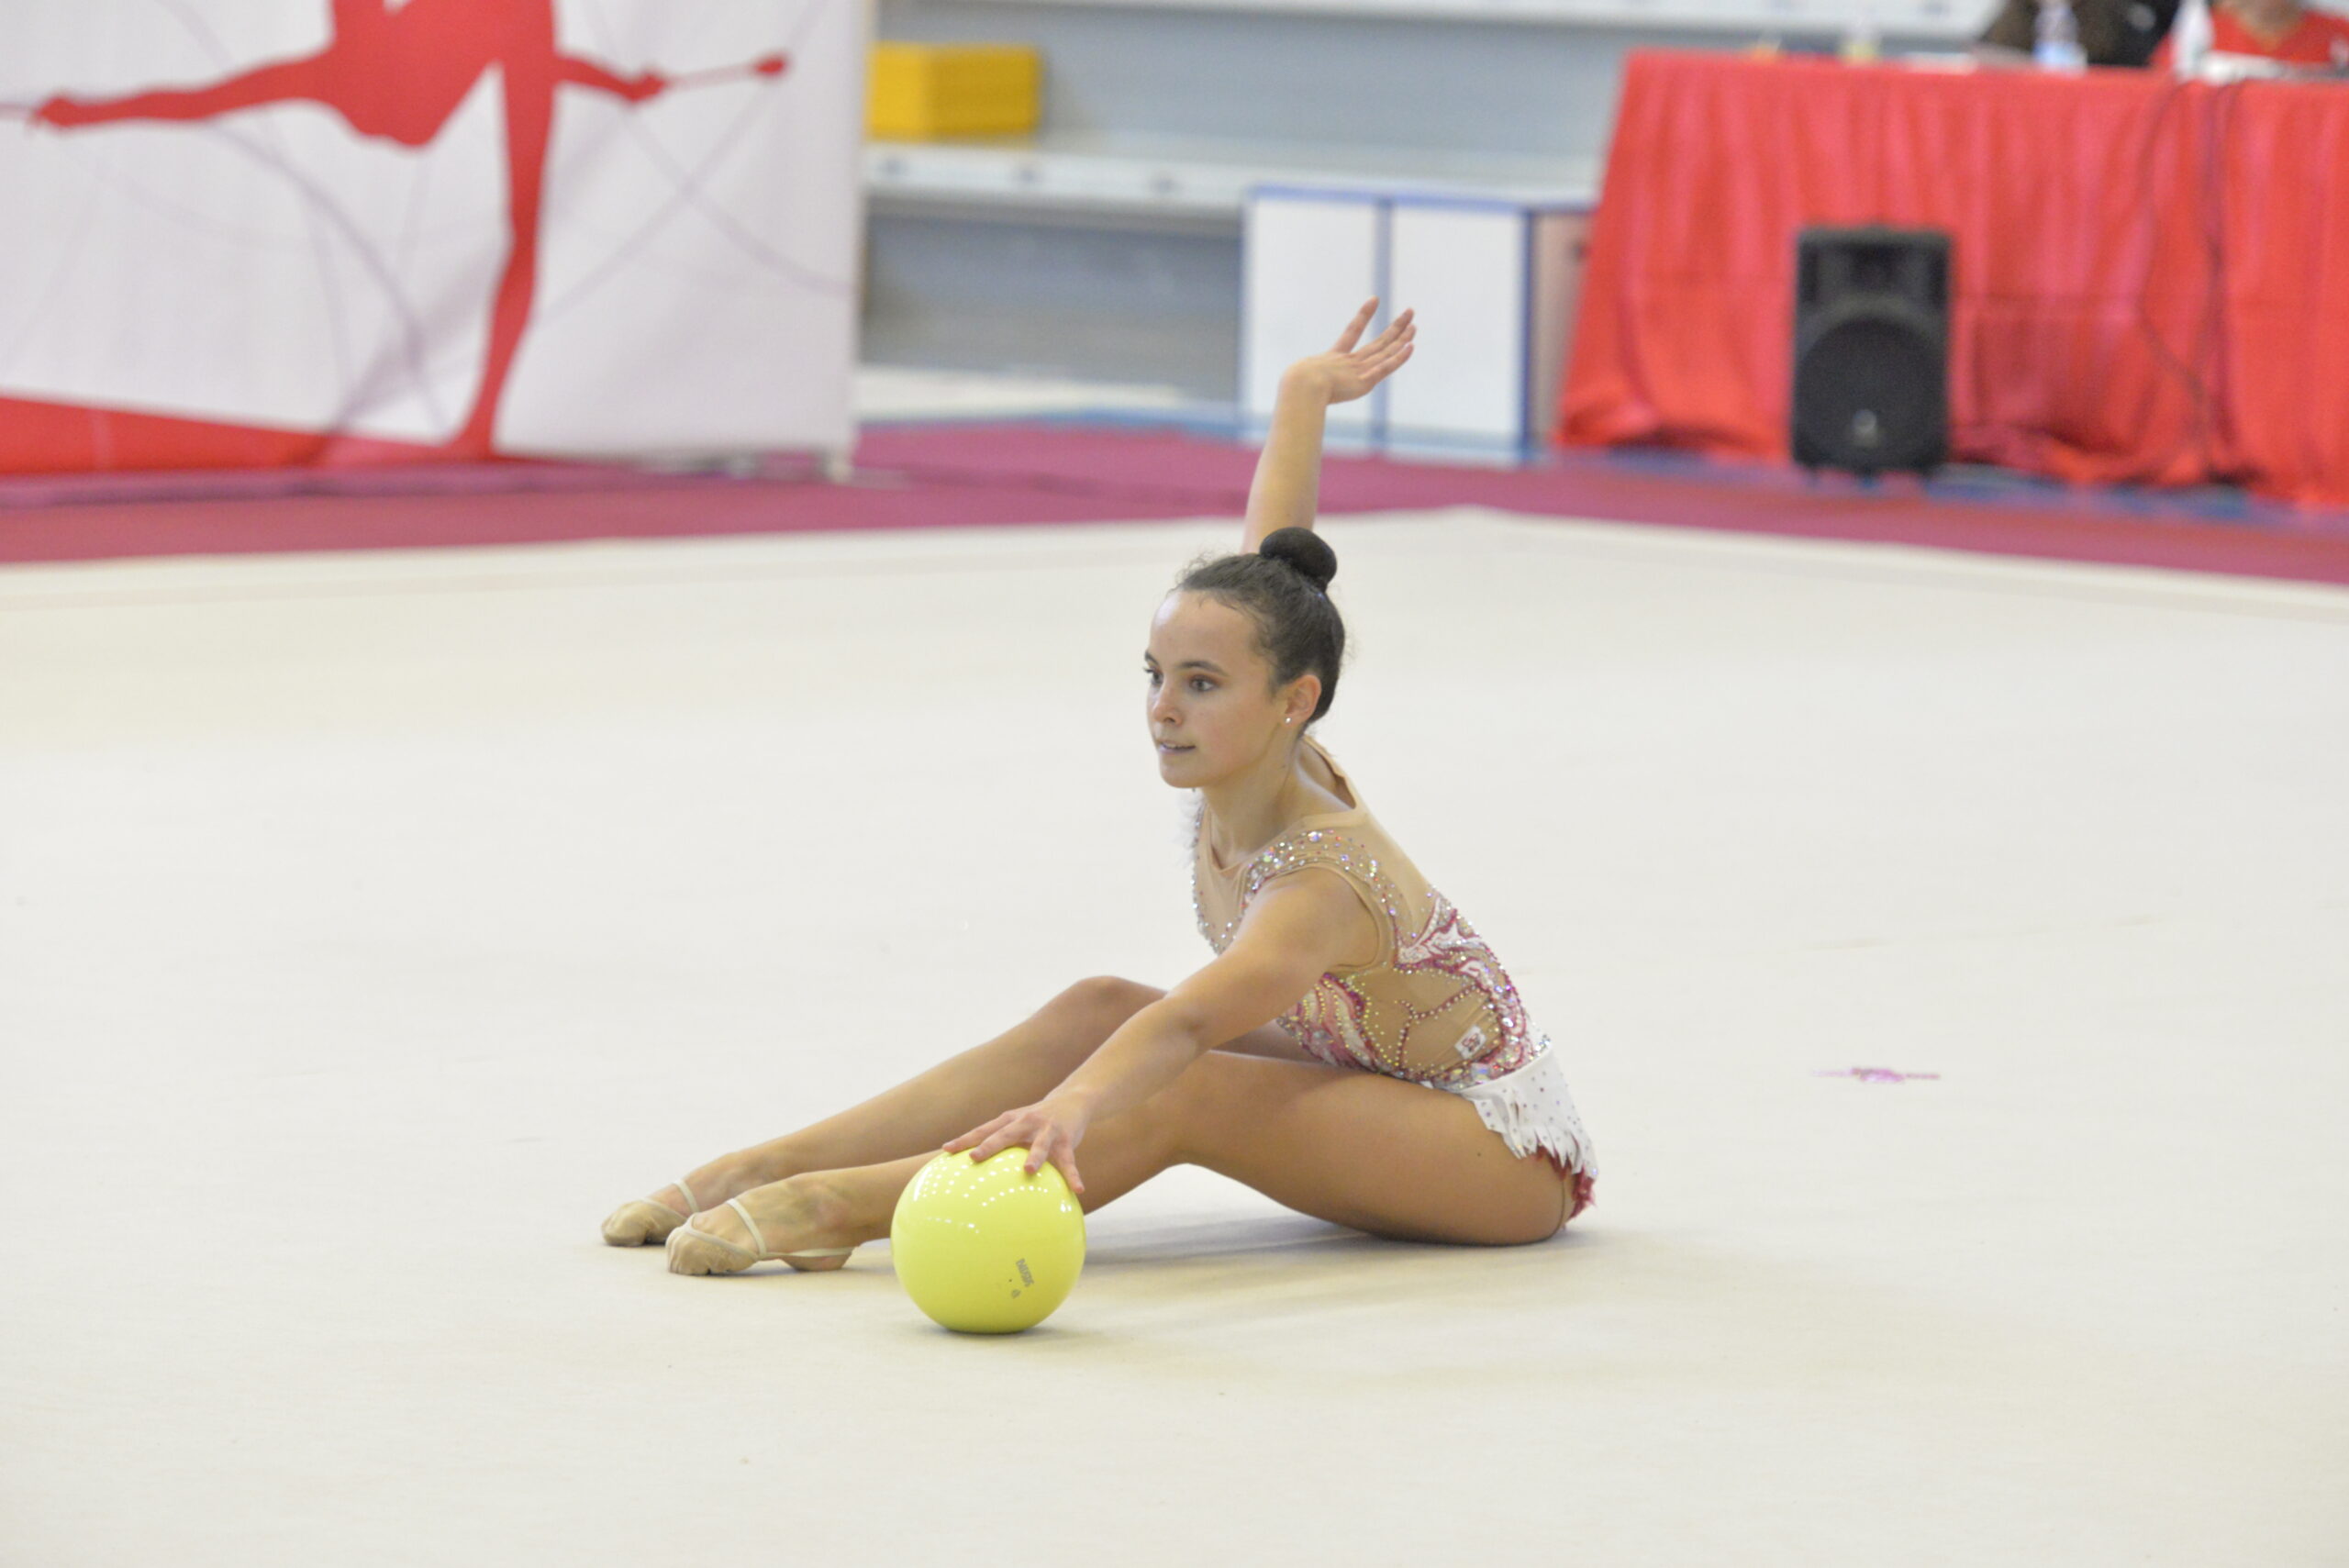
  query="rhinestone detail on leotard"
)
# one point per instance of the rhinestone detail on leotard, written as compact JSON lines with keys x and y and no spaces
{"x":1360,"y":1016}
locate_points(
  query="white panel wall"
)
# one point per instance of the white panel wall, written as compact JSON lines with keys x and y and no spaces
{"x":1310,"y":261}
{"x":1493,"y":281}
{"x":1463,"y":269}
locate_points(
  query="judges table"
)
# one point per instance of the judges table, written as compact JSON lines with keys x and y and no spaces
{"x":2150,"y":279}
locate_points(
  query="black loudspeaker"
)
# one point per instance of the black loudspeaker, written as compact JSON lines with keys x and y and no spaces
{"x":1871,"y":348}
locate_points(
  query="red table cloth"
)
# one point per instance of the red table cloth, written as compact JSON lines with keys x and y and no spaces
{"x":2150,"y":279}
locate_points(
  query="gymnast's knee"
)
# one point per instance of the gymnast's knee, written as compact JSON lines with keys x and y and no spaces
{"x":1108,"y":1000}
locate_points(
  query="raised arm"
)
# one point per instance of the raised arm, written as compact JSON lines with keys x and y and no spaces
{"x":1288,"y":473}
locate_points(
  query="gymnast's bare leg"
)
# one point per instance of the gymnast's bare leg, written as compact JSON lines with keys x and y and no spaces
{"x":1361,"y":1150}
{"x":1015,"y":1067}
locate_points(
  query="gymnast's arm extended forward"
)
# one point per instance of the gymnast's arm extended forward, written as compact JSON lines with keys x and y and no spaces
{"x":1298,"y":927}
{"x":1288,"y":471}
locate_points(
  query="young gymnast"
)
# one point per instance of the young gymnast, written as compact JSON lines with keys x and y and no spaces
{"x":1321,"y":1103}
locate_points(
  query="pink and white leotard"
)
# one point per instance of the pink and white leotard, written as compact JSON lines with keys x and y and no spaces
{"x":1434,"y":1007}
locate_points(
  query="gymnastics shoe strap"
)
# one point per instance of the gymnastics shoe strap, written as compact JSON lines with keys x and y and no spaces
{"x":759,"y":1241}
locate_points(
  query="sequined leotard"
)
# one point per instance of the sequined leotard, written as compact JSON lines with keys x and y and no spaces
{"x":1434,"y":1007}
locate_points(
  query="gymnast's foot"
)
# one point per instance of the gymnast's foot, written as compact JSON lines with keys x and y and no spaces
{"x":800,"y":1219}
{"x":649,"y":1220}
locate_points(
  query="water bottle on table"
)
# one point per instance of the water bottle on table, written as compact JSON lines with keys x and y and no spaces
{"x":1863,"y":44}
{"x":2189,"y":38}
{"x":2056,"y":37}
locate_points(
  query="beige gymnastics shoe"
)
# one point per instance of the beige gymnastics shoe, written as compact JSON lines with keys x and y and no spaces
{"x":693,"y":1251}
{"x":648,"y":1219}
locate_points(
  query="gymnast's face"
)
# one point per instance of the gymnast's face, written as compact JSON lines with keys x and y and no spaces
{"x":1212,"y":709}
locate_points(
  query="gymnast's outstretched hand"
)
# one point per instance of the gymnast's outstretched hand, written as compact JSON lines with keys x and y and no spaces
{"x":1049,"y":1130}
{"x":1346,"y":372}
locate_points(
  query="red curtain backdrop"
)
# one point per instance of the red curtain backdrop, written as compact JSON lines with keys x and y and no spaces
{"x":2150,"y":279}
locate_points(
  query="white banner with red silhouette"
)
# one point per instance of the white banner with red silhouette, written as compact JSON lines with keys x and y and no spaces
{"x":361,"y":230}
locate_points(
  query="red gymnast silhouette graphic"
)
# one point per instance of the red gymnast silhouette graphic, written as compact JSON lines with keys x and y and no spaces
{"x":399,"y":73}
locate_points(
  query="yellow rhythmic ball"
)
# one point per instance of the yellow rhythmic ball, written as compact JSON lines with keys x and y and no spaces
{"x":986,"y":1248}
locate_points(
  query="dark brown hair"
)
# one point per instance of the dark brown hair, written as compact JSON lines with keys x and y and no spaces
{"x":1283,"y":588}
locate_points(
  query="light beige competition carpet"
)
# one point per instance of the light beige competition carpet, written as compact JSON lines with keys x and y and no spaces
{"x":371,"y":925}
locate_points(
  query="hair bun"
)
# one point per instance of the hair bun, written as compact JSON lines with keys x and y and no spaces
{"x":1304,"y":549}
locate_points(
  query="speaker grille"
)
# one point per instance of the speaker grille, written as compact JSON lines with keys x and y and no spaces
{"x":1867,"y":394}
{"x":1871,"y":336}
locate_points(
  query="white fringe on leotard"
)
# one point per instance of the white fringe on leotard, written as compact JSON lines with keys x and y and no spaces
{"x":1531,"y":1108}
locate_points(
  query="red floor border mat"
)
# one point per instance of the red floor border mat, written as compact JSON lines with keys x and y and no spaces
{"x":979,"y":475}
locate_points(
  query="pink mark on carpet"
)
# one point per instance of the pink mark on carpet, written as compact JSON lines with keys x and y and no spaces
{"x":1871,"y":1075}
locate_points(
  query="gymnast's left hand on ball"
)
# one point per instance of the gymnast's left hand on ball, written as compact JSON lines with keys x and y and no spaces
{"x":1049,"y":1130}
